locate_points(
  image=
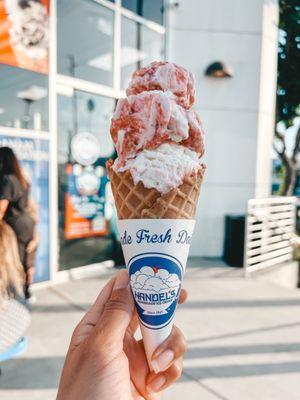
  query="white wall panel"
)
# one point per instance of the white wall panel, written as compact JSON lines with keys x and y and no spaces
{"x":237,"y":113}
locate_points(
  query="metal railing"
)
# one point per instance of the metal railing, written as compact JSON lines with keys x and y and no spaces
{"x":270,"y":226}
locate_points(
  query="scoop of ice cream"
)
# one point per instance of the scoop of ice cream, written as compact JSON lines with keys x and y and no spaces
{"x":148,"y":119}
{"x":158,"y":136}
{"x":195,"y":140}
{"x":165,"y":76}
{"x":163,"y":168}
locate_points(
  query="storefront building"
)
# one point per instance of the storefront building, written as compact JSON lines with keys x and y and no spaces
{"x":58,"y":89}
{"x":55,"y":108}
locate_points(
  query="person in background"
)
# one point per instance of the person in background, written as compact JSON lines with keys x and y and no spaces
{"x":15,"y":210}
{"x":14,"y":315}
{"x":11,"y":270}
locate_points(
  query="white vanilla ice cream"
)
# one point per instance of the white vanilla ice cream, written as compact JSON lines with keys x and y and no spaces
{"x":163,"y":168}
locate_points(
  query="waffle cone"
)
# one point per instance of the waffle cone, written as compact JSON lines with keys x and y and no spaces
{"x":138,"y":202}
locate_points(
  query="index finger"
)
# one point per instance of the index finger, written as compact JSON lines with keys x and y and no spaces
{"x":175,"y":346}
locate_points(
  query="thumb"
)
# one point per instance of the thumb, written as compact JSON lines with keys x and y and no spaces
{"x":118,"y":311}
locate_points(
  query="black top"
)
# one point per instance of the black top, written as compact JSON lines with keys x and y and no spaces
{"x":16,"y":214}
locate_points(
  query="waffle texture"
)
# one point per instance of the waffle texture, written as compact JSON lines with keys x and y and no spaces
{"x":138,"y":202}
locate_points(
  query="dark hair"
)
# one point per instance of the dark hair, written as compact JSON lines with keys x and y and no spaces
{"x":9,"y":165}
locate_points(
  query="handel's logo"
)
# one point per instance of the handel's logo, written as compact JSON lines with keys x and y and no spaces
{"x":156,"y":282}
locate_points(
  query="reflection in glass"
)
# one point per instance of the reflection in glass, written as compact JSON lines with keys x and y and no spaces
{"x":85,"y":41}
{"x":149,"y":9}
{"x":87,"y":114}
{"x":23,"y":98}
{"x":140,"y":46}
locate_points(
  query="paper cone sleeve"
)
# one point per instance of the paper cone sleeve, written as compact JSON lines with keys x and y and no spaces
{"x":138,"y":202}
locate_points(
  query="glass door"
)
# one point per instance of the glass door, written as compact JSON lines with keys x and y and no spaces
{"x":84,"y":145}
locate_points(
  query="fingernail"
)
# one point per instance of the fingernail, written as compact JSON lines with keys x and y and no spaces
{"x":156,"y":384}
{"x":121,"y":280}
{"x":162,"y":361}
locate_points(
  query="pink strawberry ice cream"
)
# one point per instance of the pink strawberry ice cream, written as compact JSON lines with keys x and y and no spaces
{"x":158,"y":136}
{"x":165,"y":76}
{"x":148,"y":119}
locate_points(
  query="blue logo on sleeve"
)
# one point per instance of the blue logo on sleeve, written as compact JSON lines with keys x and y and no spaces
{"x":155,"y":280}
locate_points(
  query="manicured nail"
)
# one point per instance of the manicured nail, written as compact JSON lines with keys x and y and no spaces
{"x":162,"y":361}
{"x":156,"y":384}
{"x":121,"y":280}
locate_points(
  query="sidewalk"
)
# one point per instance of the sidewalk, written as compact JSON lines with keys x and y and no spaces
{"x":243,"y":336}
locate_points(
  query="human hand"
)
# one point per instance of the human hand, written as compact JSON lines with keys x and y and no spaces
{"x":106,"y":362}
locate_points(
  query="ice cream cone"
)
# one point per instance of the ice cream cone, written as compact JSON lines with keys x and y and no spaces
{"x":156,"y":181}
{"x":136,"y":201}
{"x":155,"y":232}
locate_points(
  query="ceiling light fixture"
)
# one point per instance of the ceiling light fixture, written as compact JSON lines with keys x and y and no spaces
{"x":33,"y":93}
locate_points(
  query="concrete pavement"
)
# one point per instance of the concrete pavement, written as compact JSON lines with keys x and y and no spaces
{"x":243,"y":336}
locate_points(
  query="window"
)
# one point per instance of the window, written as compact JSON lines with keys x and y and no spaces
{"x":85,"y":41}
{"x":23,"y":99}
{"x":86,"y":114}
{"x":140,"y":46}
{"x":149,"y":9}
{"x":85,"y":88}
{"x":85,"y":51}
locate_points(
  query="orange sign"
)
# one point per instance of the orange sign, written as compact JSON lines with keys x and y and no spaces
{"x":85,"y":203}
{"x":77,"y":226}
{"x":24,"y":34}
